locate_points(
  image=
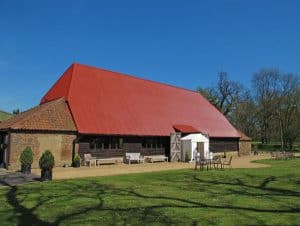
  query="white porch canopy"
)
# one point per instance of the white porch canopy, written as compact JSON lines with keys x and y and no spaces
{"x":189,"y":143}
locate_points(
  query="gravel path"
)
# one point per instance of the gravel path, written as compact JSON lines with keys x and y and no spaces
{"x":118,"y":169}
{"x":9,"y":178}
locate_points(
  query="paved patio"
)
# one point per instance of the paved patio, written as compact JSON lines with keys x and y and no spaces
{"x":118,"y":169}
{"x":9,"y":178}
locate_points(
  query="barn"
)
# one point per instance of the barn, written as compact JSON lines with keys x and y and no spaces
{"x":105,"y":113}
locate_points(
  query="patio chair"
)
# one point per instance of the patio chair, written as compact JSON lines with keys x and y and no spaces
{"x":200,"y":161}
{"x":88,"y":159}
{"x":277,"y":155}
{"x":227,"y":163}
{"x":273,"y":155}
{"x":290,"y":155}
{"x":216,"y":161}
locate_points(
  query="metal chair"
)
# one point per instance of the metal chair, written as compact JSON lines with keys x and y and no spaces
{"x":227,"y":163}
{"x":201,"y":161}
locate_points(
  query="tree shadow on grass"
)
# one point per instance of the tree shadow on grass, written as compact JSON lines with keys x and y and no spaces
{"x":21,"y":213}
{"x":262,"y":186}
{"x":27,"y":216}
{"x":145,"y":208}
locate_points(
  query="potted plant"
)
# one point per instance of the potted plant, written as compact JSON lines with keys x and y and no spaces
{"x":46,"y":164}
{"x":26,"y":159}
{"x":76,"y":161}
{"x":187,"y":156}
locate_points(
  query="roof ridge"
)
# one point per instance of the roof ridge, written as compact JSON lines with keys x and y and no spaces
{"x":136,"y":77}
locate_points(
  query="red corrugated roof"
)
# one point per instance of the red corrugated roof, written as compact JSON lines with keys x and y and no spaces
{"x":106,"y":102}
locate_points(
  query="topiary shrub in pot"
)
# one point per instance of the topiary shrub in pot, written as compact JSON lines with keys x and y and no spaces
{"x":46,"y":164}
{"x":26,"y":159}
{"x":76,"y":161}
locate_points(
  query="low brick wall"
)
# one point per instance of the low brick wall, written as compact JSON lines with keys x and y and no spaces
{"x":244,"y":148}
{"x":60,"y":144}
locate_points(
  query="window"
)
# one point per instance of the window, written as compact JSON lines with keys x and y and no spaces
{"x":92,"y":144}
{"x":144,"y":144}
{"x":99,"y":143}
{"x":114,"y":143}
{"x":148,"y":143}
{"x":106,"y":143}
{"x":120,"y":143}
{"x":154,"y":142}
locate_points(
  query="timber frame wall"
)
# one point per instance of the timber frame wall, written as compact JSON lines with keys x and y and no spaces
{"x":117,"y":146}
{"x":223,"y":144}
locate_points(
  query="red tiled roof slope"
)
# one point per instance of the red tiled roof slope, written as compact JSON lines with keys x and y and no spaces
{"x":51,"y":116}
{"x":106,"y":102}
{"x":244,"y":137}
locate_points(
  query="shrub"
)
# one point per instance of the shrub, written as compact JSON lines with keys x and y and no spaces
{"x":76,"y":161}
{"x":47,"y":160}
{"x":187,"y":156}
{"x":26,"y":157}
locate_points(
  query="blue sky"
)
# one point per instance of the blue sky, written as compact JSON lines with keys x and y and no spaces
{"x":183,"y":43}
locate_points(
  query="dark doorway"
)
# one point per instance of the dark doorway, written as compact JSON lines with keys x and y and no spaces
{"x":1,"y":157}
{"x":3,"y":147}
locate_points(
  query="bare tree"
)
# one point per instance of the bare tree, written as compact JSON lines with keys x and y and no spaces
{"x":288,"y":103}
{"x":265,"y":87}
{"x":225,"y":95}
{"x":244,"y":116}
{"x":270,"y":111}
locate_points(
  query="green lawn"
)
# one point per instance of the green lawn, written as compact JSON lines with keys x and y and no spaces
{"x":4,"y":115}
{"x":267,"y":196}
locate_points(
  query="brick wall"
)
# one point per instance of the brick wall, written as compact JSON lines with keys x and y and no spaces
{"x":59,"y":144}
{"x":244,"y":148}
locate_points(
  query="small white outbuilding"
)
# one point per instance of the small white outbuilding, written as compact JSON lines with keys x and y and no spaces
{"x":189,"y":144}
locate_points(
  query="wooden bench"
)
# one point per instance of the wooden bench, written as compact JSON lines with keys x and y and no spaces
{"x":134,"y":157}
{"x":107,"y":161}
{"x":89,"y":160}
{"x":157,"y":158}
